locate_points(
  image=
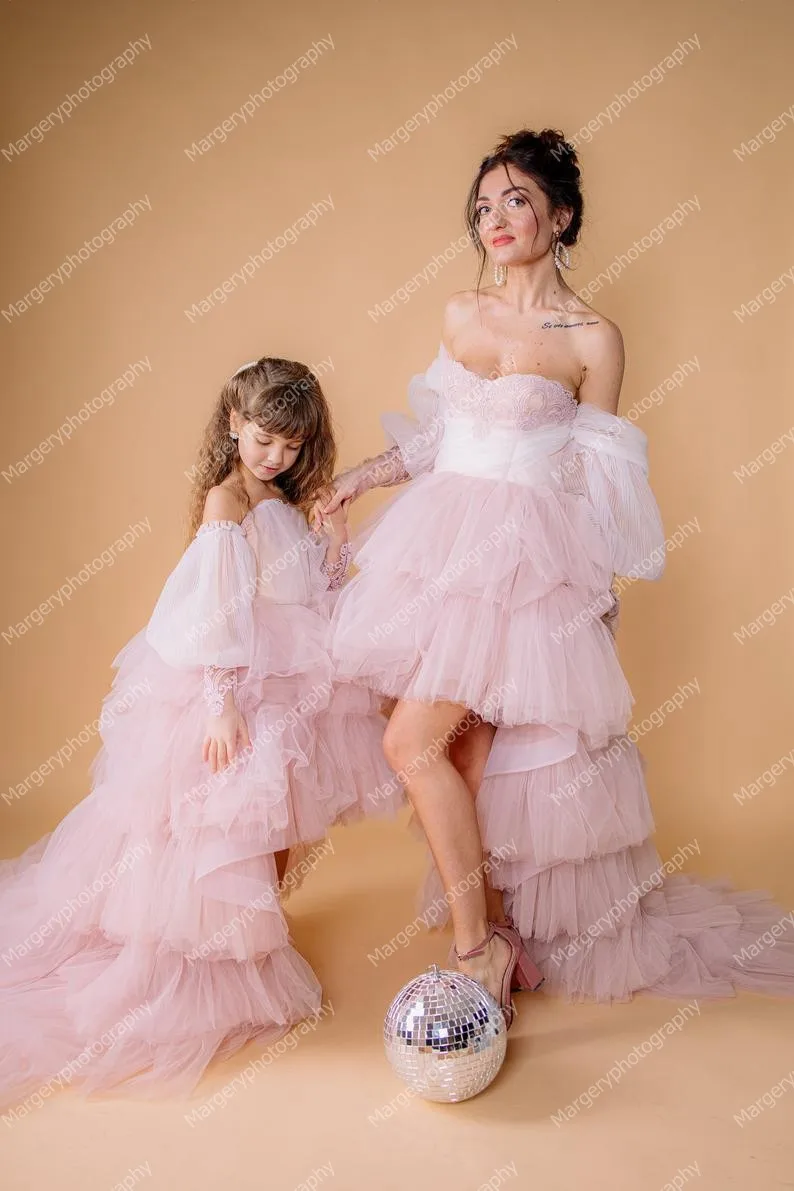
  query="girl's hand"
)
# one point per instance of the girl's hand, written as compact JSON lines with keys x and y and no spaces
{"x":343,"y":490}
{"x":227,"y":734}
{"x":612,"y":618}
{"x":329,"y":515}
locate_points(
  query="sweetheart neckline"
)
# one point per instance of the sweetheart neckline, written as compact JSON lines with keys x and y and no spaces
{"x":507,"y":375}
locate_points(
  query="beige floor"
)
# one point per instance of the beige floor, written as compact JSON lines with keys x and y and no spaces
{"x":304,"y":1121}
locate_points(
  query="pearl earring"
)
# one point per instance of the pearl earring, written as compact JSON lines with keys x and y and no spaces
{"x":562,"y":256}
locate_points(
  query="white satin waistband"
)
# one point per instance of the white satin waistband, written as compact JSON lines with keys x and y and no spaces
{"x":503,"y":453}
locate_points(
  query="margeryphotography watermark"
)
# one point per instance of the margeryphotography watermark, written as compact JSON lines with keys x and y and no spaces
{"x":441,"y":905}
{"x":767,"y":134}
{"x":438,"y":587}
{"x":624,"y":743}
{"x":594,"y":609}
{"x":402,"y":295}
{"x":72,"y":101}
{"x":67,"y":1073}
{"x":769,"y":454}
{"x":623,"y":99}
{"x":286,"y":398}
{"x":241,"y":276}
{"x":120,"y":702}
{"x":769,"y":1099}
{"x":58,"y":919}
{"x":766,"y":779}
{"x":219,"y":940}
{"x":74,"y":582}
{"x":316,"y":1176}
{"x":287,"y":76}
{"x":473,"y":74}
{"x":36,"y":294}
{"x":439,"y":744}
{"x":260,"y":585}
{"x":766,"y":619}
{"x":287,"y":718}
{"x":105,"y":398}
{"x":768,"y":938}
{"x":622,"y":906}
{"x":766,"y":296}
{"x":246,"y":1077}
{"x":653,"y":237}
{"x":682,"y":1177}
{"x":616,"y":1072}
{"x":132,"y":1177}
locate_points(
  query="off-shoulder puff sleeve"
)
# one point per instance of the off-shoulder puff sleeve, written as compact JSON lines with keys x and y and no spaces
{"x":204,"y":614}
{"x":609,"y":464}
{"x":418,"y":437}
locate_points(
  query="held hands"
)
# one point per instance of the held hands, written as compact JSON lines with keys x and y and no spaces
{"x":329,"y":512}
{"x":338,"y":495}
{"x":227,"y":734}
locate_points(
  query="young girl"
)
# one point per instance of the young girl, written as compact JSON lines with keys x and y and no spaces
{"x":145,"y":935}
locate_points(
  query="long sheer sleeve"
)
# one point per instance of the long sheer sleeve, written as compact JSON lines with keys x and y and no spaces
{"x":607,"y":462}
{"x":204,"y":616}
{"x":417,"y":437}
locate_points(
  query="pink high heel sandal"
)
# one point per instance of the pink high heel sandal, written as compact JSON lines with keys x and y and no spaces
{"x":524,"y":972}
{"x":519,"y":966}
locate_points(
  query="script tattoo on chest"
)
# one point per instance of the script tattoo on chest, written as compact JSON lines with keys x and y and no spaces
{"x":550,"y":326}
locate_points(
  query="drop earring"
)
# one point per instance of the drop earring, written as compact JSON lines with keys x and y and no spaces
{"x":562,"y":256}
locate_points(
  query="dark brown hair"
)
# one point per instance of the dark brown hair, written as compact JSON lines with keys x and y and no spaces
{"x":283,"y":397}
{"x":551,"y":161}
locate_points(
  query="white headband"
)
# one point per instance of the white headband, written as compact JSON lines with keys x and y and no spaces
{"x":244,"y":366}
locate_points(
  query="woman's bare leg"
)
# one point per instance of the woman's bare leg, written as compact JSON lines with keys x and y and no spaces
{"x":416,"y":741}
{"x":468,"y":752}
{"x":281,"y":859}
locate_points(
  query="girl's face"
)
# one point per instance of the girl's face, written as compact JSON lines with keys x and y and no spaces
{"x":262,"y":452}
{"x":506,"y":222}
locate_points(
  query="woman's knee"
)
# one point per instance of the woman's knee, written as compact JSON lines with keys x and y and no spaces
{"x":401,"y":743}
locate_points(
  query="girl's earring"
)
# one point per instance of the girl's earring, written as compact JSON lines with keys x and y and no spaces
{"x":500,"y":274}
{"x":562,"y":256}
{"x":233,"y":435}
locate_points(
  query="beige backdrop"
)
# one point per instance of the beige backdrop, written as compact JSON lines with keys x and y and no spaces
{"x":683,"y":119}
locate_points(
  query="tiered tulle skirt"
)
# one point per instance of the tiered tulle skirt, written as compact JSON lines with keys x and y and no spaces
{"x":145,"y":936}
{"x":491,"y":595}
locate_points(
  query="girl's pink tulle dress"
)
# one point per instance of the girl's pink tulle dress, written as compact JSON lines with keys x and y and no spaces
{"x":484,"y":581}
{"x":145,"y":936}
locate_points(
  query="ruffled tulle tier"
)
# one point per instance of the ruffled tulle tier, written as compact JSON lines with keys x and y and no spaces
{"x":602,"y":914}
{"x":471,"y":586}
{"x":156,"y":901}
{"x":142,"y":1020}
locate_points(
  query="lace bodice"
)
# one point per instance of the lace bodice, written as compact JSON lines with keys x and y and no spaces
{"x":524,"y":400}
{"x":523,"y":428}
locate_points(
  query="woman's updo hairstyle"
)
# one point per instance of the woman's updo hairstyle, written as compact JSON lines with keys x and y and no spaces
{"x":551,"y":161}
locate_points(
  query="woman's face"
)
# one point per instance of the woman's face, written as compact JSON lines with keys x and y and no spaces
{"x":262,"y":452}
{"x":511,"y":232}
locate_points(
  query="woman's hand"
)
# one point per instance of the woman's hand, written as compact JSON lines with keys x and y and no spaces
{"x":329,"y":511}
{"x":227,"y":735}
{"x":342,"y":491}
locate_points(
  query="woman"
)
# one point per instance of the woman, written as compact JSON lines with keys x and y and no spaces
{"x":484,"y":605}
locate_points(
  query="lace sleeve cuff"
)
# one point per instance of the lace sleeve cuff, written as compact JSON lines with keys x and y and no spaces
{"x":337,"y":571}
{"x":218,"y":680}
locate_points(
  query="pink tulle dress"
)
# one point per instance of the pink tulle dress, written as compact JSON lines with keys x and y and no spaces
{"x":145,"y":935}
{"x":485,"y":581}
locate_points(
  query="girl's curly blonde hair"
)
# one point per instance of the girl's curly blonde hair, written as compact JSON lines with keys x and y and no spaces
{"x":283,"y":397}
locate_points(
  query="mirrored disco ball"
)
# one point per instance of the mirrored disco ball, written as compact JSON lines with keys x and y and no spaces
{"x":445,"y":1035}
